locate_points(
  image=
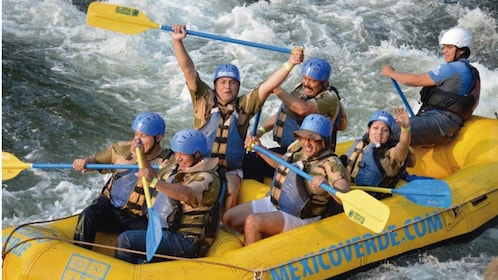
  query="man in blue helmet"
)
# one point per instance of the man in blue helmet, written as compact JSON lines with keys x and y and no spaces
{"x":188,"y":202}
{"x":294,"y":201}
{"x":221,"y":114}
{"x":450,"y":92}
{"x":378,"y":159}
{"x":121,"y":203}
{"x":313,"y":95}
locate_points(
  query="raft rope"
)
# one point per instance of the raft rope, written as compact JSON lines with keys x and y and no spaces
{"x":258,"y":273}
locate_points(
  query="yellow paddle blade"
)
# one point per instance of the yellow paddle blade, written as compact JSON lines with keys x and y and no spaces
{"x":364,"y":209}
{"x":11,"y":166}
{"x":118,"y":18}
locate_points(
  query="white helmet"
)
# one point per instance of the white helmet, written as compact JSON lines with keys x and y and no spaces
{"x":458,"y":37}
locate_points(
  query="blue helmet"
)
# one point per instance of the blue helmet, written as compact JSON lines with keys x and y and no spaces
{"x":149,"y":123}
{"x":228,"y":71}
{"x":317,"y":68}
{"x":189,"y":141}
{"x":384,"y":116}
{"x":319,"y":125}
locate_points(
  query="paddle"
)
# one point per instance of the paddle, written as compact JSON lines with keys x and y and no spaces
{"x":426,"y":192}
{"x":12,"y":166}
{"x":256,"y":121}
{"x":359,"y":206}
{"x":154,"y":230}
{"x":129,"y":20}
{"x":403,"y":98}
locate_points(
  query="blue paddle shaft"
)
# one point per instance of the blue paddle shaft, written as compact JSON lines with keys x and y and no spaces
{"x":256,"y":121}
{"x":293,"y":168}
{"x":230,"y":40}
{"x":88,"y":166}
{"x":403,"y":98}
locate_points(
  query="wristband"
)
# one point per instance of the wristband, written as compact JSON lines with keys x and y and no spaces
{"x":262,"y":129}
{"x":405,"y":129}
{"x":153,"y":183}
{"x":288,"y":66}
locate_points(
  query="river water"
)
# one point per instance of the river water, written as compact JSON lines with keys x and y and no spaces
{"x":69,"y":89}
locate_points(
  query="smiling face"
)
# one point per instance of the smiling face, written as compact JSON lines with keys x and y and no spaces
{"x":378,"y":132}
{"x":226,"y":89}
{"x":184,"y":160}
{"x":311,"y":147}
{"x":148,"y":142}
{"x":312,"y":87}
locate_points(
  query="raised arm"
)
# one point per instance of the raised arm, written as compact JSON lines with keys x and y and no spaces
{"x":184,"y":60}
{"x":402,"y":118}
{"x":279,"y":76}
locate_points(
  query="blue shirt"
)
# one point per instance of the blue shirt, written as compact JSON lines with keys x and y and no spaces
{"x":455,"y":77}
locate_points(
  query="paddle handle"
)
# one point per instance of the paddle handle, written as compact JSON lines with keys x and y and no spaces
{"x":293,"y":168}
{"x":230,"y":40}
{"x":403,"y":98}
{"x":88,"y":166}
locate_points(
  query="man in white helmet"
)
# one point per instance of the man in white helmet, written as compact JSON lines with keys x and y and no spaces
{"x":449,"y":95}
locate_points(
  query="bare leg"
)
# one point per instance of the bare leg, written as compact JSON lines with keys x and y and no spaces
{"x":233,"y":182}
{"x":236,"y":216}
{"x":261,"y":225}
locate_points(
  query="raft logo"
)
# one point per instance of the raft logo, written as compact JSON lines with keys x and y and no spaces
{"x":355,"y":216}
{"x":80,"y":267}
{"x":352,"y":252}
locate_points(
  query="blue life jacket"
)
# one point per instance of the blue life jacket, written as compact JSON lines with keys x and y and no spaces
{"x":288,"y":126}
{"x":463,"y":105}
{"x":224,"y":139}
{"x":369,"y":172}
{"x":123,"y":185}
{"x":166,"y":207}
{"x":290,"y":193}
{"x":293,"y":194}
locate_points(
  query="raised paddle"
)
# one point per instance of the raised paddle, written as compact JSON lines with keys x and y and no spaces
{"x":403,"y":98}
{"x":154,"y":230}
{"x":129,"y":20}
{"x":12,"y":166}
{"x":426,"y":192}
{"x":359,"y":206}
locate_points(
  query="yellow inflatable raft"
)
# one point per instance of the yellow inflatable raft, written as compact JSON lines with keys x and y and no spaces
{"x":324,"y":249}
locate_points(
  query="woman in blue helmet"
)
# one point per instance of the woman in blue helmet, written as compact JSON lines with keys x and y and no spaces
{"x":294,"y":201}
{"x":450,"y":92}
{"x":120,"y":204}
{"x":188,"y":196}
{"x":378,"y":159}
{"x":220,"y":113}
{"x":313,"y":95}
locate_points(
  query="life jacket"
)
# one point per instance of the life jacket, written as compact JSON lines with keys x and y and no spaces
{"x":287,"y":122}
{"x":462,"y":105}
{"x":123,"y":191}
{"x":166,"y":208}
{"x":124,"y":183}
{"x":363,"y":164}
{"x":202,"y":223}
{"x":290,"y":193}
{"x":224,"y":139}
